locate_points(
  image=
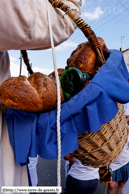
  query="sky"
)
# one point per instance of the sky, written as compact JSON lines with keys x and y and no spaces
{"x":108,"y":19}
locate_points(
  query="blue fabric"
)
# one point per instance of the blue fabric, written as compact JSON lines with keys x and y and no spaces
{"x":122,"y":174}
{"x":113,"y":77}
{"x":35,"y":133}
{"x":22,"y":134}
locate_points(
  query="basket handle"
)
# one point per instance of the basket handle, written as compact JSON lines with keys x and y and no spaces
{"x":84,"y":27}
{"x":26,"y":61}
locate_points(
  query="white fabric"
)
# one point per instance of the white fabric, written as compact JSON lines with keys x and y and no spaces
{"x":24,"y":24}
{"x":126,"y":188}
{"x":123,"y":158}
{"x":82,"y":172}
{"x":126,"y":107}
{"x":66,"y":167}
{"x":11,"y":174}
{"x":32,"y":166}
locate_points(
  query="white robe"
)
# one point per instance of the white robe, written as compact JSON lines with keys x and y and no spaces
{"x":24,"y":25}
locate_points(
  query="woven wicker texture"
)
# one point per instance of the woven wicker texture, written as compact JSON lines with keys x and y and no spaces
{"x":103,"y":147}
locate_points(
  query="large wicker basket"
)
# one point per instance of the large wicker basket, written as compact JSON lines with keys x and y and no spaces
{"x":103,"y":147}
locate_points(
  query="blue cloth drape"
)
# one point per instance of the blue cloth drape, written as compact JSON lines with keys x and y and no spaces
{"x":35,"y":133}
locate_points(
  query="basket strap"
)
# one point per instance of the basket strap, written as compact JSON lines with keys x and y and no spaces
{"x":84,"y":27}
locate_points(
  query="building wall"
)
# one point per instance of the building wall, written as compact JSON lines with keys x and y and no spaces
{"x":126,"y":58}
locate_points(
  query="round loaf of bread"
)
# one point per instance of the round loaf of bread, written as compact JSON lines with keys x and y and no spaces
{"x":37,"y":93}
{"x":85,"y":58}
{"x":60,"y":72}
{"x":47,"y":90}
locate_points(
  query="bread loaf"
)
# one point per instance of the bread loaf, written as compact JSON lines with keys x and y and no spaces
{"x":37,"y":93}
{"x":60,"y":72}
{"x":85,"y":58}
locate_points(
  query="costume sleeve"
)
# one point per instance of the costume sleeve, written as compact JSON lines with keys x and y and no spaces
{"x":24,"y":24}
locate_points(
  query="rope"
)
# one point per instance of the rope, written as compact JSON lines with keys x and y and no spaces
{"x":58,"y":102}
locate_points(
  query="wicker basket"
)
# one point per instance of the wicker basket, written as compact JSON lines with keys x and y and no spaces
{"x":103,"y":147}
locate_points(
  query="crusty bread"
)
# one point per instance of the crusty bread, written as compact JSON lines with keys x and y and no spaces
{"x":37,"y":93}
{"x":60,"y":72}
{"x":84,"y":57}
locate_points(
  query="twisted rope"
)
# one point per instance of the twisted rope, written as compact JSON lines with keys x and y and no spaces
{"x":58,"y":102}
